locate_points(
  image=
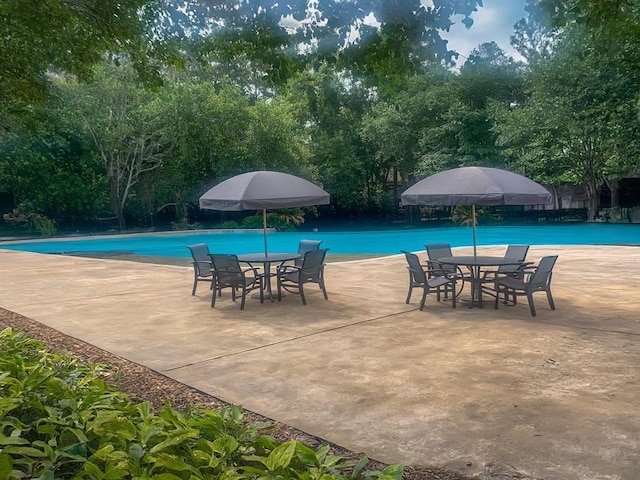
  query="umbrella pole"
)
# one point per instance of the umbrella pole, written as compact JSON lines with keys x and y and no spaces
{"x":473,"y":220}
{"x":264,"y":229}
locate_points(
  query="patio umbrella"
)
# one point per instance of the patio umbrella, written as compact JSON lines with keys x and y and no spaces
{"x":476,"y":186}
{"x":262,"y":190}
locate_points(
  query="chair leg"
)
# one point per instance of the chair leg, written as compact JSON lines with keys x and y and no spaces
{"x":244,"y":295}
{"x":301,"y":289}
{"x":424,"y":297}
{"x":279,"y":285}
{"x":213,"y":294}
{"x":453,"y":296}
{"x":495,"y":304}
{"x":324,"y":290}
{"x":531,"y":305}
{"x":409,"y":293}
{"x":195,"y":284}
{"x":550,"y":298}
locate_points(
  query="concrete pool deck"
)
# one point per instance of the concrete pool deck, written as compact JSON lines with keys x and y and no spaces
{"x":556,"y":396}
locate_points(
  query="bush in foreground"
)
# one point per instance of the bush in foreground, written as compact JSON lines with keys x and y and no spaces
{"x":60,"y":419}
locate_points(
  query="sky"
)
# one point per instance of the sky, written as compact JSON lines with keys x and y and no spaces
{"x":492,"y":22}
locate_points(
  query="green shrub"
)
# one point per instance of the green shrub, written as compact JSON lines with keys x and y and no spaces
{"x":284,"y":220}
{"x":60,"y":419}
{"x":44,"y":225}
{"x":229,"y":225}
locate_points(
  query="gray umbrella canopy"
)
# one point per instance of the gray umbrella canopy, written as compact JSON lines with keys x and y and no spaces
{"x":262,"y":190}
{"x":476,"y":186}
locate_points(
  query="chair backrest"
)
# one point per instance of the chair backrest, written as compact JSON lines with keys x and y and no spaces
{"x":517,"y":252}
{"x":227,"y":268}
{"x":312,"y":264}
{"x":436,"y":251}
{"x":199,"y":252}
{"x":542,"y":275}
{"x":201,"y":258}
{"x":417,"y":273}
{"x":305,"y":246}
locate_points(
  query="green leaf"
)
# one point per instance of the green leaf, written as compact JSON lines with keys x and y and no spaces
{"x":103,"y":453}
{"x":359,"y":466}
{"x":12,"y":440}
{"x":136,"y":451}
{"x":306,"y":454}
{"x":393,"y":472}
{"x":166,"y":476}
{"x":48,"y":475}
{"x":6,"y":466}
{"x":93,"y":470}
{"x":225,"y":445}
{"x":171,"y":462}
{"x":174,"y":440}
{"x":281,"y":456}
{"x":27,"y":451}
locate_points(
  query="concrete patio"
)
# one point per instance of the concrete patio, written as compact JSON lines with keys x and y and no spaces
{"x":556,"y":396}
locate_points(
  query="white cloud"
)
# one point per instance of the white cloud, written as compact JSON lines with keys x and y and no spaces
{"x":492,"y":22}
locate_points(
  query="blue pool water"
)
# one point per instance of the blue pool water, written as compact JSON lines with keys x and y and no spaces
{"x":352,"y":242}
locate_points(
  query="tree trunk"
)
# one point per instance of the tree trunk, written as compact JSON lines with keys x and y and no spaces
{"x":592,"y":200}
{"x":614,"y":185}
{"x":396,"y":193}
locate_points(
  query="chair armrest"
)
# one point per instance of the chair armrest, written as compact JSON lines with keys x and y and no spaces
{"x":437,"y":269}
{"x":251,"y":269}
{"x":202,"y":266}
{"x":281,"y":269}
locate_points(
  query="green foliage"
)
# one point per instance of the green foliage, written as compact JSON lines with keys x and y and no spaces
{"x":229,"y":225}
{"x":44,"y":226}
{"x":63,"y":36}
{"x":25,"y":216}
{"x":59,"y":418}
{"x":284,"y":220}
{"x":579,"y":122}
{"x":464,"y":215}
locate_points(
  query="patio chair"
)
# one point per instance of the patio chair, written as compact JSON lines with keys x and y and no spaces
{"x":227,"y":273}
{"x":516,"y":252}
{"x":536,"y":280}
{"x":435,"y":251}
{"x":292,"y":278}
{"x":202,"y":265}
{"x":434,"y":279}
{"x":304,"y":246}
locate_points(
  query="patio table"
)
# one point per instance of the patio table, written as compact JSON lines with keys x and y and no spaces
{"x":475,"y":265}
{"x":266,"y":261}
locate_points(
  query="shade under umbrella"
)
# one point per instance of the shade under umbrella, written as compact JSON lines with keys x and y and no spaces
{"x":262,"y":190}
{"x":476,"y":186}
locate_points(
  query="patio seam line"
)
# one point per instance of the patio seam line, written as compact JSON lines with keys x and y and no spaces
{"x":173,"y":369}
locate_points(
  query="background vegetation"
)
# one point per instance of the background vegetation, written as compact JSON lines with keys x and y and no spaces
{"x":126,"y":112}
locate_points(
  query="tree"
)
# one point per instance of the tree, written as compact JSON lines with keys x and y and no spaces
{"x":580,"y":121}
{"x":330,"y":108}
{"x":377,"y":39}
{"x":117,"y":116}
{"x":50,"y":168}
{"x":64,"y":35}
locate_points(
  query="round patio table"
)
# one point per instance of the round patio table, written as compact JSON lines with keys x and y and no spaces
{"x":266,"y":260}
{"x":475,"y":263}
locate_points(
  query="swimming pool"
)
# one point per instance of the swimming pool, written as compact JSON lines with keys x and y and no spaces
{"x":173,"y":244}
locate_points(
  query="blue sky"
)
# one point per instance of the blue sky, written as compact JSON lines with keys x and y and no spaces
{"x":492,"y":22}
